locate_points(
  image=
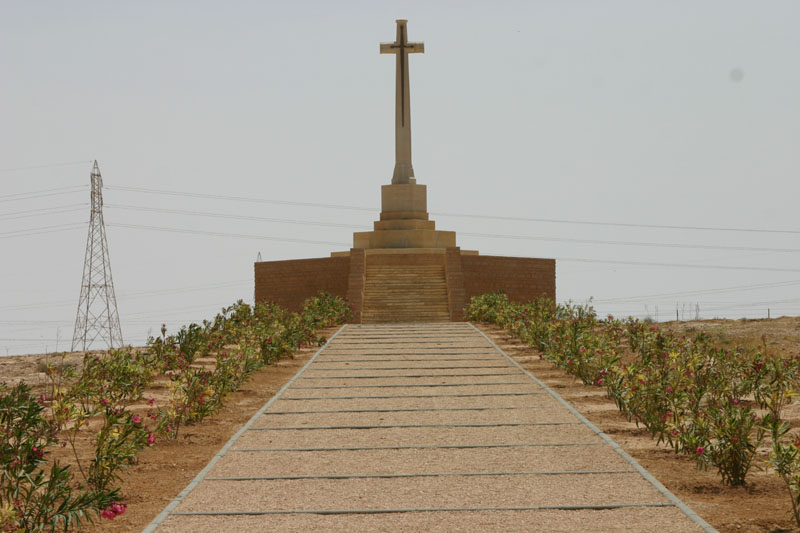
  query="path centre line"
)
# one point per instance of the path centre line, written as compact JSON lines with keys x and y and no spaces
{"x":413,"y":426}
{"x":400,"y":376}
{"x":426,"y":474}
{"x":338,"y":359}
{"x":412,"y":410}
{"x":418,"y":385}
{"x":413,"y":396}
{"x":426,"y":510}
{"x":414,"y":368}
{"x":422,"y":447}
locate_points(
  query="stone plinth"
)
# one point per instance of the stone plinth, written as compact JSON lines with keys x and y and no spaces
{"x":404,"y":222}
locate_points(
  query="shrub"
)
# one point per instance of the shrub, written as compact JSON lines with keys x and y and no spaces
{"x":31,"y":498}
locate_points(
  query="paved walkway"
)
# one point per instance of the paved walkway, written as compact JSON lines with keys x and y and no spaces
{"x":421,"y":426}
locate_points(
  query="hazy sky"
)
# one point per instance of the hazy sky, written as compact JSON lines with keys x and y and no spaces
{"x":680,"y":113}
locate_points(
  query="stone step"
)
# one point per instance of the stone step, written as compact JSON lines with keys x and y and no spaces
{"x":405,"y":294}
{"x":415,"y":282}
{"x":407,"y":304}
{"x":376,"y":270}
{"x":406,"y":277}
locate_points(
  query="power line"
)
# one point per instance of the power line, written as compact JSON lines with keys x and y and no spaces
{"x":237,"y":198}
{"x":44,"y":229}
{"x":131,"y":295}
{"x":676,"y":265}
{"x":481,"y":235}
{"x":49,"y":165}
{"x":455,"y":215}
{"x":568,"y":259}
{"x":42,"y":193}
{"x":633,"y":243}
{"x":619,"y":224}
{"x":699,"y":292}
{"x":221,"y":234}
{"x":236,"y":217}
{"x":43,"y":211}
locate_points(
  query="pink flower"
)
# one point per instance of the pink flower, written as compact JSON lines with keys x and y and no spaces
{"x":669,"y":389}
{"x":137,"y":419}
{"x":583,"y":350}
{"x":37,"y":452}
{"x":113,"y":510}
{"x":151,"y":439}
{"x":735,"y":440}
{"x":700,"y":450}
{"x":118,"y":508}
{"x":151,"y":401}
{"x":104,"y":402}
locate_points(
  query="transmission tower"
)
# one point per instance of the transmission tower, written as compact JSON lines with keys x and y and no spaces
{"x":97,"y":317}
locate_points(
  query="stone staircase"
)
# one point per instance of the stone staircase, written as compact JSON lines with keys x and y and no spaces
{"x":411,"y":293}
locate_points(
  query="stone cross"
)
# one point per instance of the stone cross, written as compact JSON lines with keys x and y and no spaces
{"x":403,"y":170}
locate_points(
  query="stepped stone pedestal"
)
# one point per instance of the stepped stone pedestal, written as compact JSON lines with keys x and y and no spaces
{"x":404,"y":222}
{"x":404,"y":270}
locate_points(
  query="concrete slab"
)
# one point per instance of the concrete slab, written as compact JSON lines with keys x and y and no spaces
{"x":378,"y":433}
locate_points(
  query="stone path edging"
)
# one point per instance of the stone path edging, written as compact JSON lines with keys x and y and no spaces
{"x":199,"y":477}
{"x":329,"y":458}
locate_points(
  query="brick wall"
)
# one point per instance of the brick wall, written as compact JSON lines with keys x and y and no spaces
{"x":456,"y":296}
{"x":289,"y":283}
{"x":524,"y":279}
{"x":405,"y":259}
{"x":355,"y":283}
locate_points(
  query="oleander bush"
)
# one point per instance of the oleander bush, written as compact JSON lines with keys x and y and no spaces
{"x":716,"y":405}
{"x":90,"y":407}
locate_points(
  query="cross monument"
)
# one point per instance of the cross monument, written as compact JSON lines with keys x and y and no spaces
{"x":405,"y":269}
{"x":403,"y":170}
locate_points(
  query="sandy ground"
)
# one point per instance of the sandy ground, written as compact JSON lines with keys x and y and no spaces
{"x":760,"y":506}
{"x":162,"y":472}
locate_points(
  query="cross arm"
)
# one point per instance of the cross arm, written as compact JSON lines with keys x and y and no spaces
{"x":411,"y":48}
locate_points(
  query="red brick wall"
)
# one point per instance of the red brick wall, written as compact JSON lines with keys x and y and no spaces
{"x":456,"y":296}
{"x":355,"y":283}
{"x":405,"y":259}
{"x":524,"y":279}
{"x":289,"y":283}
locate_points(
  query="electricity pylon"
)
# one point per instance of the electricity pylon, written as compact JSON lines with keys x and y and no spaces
{"x":97,"y":317}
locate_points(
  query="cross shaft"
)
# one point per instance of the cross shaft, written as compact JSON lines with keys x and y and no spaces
{"x":403,"y":169}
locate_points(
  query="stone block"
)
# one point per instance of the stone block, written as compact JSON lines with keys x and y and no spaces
{"x":411,"y":238}
{"x":404,"y":197}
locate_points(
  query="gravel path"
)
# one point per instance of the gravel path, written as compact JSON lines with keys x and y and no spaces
{"x":407,"y":427}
